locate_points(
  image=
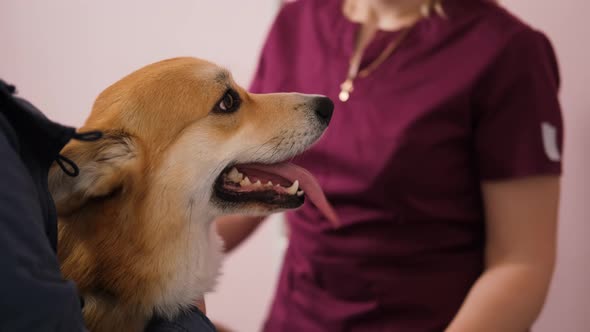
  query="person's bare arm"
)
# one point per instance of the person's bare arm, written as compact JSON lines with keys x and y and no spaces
{"x":520,"y":255}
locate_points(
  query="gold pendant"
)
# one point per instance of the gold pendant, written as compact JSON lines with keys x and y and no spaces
{"x":345,"y":90}
{"x":343,"y":96}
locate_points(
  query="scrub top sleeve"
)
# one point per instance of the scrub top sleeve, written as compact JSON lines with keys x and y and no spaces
{"x":518,"y":126}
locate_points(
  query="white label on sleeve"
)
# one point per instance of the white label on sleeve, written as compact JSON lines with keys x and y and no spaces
{"x":549,"y":133}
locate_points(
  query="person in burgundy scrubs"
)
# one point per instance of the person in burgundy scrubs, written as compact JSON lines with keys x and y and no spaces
{"x":442,"y":162}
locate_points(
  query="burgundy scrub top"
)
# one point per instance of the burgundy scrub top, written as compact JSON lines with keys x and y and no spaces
{"x":465,"y":99}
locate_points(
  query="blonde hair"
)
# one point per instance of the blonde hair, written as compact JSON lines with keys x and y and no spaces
{"x":436,"y":6}
{"x":433,"y":6}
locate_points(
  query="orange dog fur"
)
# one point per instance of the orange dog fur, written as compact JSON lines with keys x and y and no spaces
{"x":135,"y":227}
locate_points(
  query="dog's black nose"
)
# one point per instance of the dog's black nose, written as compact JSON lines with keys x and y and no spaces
{"x":324,"y":109}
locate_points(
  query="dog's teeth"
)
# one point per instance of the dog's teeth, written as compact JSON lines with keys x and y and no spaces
{"x":300,"y":193}
{"x":233,"y":171}
{"x":292,"y":190}
{"x":257,"y":183}
{"x":234,"y":175}
{"x":245,"y":182}
{"x":277,"y":185}
{"x":269,"y":184}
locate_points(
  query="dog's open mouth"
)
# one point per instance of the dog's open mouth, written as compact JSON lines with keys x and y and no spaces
{"x":281,"y":185}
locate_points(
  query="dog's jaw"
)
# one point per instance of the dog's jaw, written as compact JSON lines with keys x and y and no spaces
{"x":190,"y":261}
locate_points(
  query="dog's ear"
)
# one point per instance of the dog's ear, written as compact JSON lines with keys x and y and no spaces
{"x":104,"y":168}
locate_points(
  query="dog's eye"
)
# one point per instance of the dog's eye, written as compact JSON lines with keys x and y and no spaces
{"x":229,"y":103}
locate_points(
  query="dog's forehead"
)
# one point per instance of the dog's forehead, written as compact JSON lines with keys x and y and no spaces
{"x":195,"y":76}
{"x":219,"y":76}
{"x":223,"y":76}
{"x":162,"y":98}
{"x":181,"y":71}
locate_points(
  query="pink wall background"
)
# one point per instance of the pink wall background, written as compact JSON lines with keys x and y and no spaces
{"x":61,"y":54}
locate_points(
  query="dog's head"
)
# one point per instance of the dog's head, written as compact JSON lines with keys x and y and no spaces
{"x":181,"y":131}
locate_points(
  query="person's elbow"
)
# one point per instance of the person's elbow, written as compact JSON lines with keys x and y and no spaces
{"x":234,"y":230}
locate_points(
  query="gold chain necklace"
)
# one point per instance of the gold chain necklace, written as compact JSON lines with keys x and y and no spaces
{"x":347,"y":86}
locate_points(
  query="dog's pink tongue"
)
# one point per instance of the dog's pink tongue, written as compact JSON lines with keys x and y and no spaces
{"x":307,"y":182}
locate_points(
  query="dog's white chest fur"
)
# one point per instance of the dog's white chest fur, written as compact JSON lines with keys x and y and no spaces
{"x":193,"y":269}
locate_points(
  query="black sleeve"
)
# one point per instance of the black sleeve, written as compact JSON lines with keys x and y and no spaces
{"x":33,"y":294}
{"x":190,"y":321}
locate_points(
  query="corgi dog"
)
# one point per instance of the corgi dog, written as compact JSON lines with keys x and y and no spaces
{"x":182,"y":144}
